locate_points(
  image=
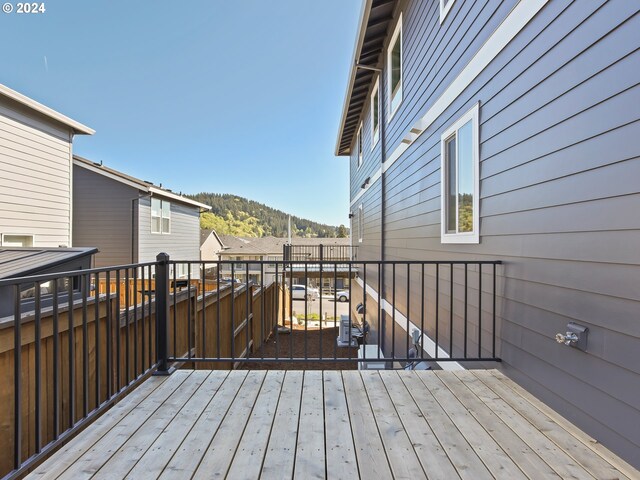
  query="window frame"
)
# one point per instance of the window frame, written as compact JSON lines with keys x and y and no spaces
{"x":24,"y":235}
{"x":445,"y":8}
{"x":161,"y":217}
{"x":473,"y":116}
{"x":360,"y":223}
{"x":360,"y":146}
{"x":397,"y":32}
{"x":375,"y":129}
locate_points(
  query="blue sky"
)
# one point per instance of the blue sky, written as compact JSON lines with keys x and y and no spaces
{"x":238,"y":96}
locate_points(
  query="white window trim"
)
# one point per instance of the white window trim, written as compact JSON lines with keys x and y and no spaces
{"x":29,"y":235}
{"x":375,"y":132}
{"x":468,"y":237}
{"x":445,"y":8}
{"x":360,"y":146}
{"x":396,"y":32}
{"x":360,"y":223}
{"x":161,"y":232}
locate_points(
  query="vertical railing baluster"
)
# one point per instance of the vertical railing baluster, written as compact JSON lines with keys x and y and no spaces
{"x":262,"y":300}
{"x":218,"y":340}
{"x":275,"y":308}
{"x":142,"y":320}
{"x":174,"y":290}
{"x":117,"y":333}
{"x":96,"y":311}
{"x":451,"y":313}
{"x":307,"y":298}
{"x":408,"y":307}
{"x":233,"y":312}
{"x":136,"y":370}
{"x":127,"y":334}
{"x":17,"y":378}
{"x":72,"y":354}
{"x":393,"y":311}
{"x":479,"y":310}
{"x":422,"y":302}
{"x":437,"y":356}
{"x":248,"y":309}
{"x":85,"y":346}
{"x":364,"y":311}
{"x":203,"y":276}
{"x":109,"y":338}
{"x":38,"y":369}
{"x":56,"y":361}
{"x":466,"y":320}
{"x":150,"y":338}
{"x":189,"y":311}
{"x":335,"y":307}
{"x":320,"y":266}
{"x":493,"y":347}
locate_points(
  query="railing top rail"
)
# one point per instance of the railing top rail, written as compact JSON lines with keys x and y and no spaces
{"x":71,"y":273}
{"x":343,"y":262}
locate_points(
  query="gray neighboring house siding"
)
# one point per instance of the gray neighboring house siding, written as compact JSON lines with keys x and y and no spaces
{"x":102,"y":217}
{"x":559,"y":191}
{"x":35,"y":170}
{"x":183,"y":243}
{"x":103,"y":203}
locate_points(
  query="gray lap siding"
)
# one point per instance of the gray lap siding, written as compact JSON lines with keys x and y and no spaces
{"x":560,"y":159}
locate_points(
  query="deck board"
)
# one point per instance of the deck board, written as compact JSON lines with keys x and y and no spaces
{"x":353,"y":424}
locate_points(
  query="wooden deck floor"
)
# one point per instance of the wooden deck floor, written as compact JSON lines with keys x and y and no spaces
{"x":332,"y":424}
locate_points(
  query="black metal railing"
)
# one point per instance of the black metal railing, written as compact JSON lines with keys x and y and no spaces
{"x":77,"y":341}
{"x":74,"y":343}
{"x":284,"y":314}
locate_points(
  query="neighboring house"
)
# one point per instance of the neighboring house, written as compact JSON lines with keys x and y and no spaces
{"x":35,"y":172}
{"x":210,"y":245}
{"x":510,"y":131}
{"x":251,"y":249}
{"x":131,"y":220}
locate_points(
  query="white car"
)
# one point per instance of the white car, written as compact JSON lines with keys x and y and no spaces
{"x":342,"y":295}
{"x":302,"y":292}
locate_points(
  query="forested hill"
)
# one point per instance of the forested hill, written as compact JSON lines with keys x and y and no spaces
{"x":239,"y":216}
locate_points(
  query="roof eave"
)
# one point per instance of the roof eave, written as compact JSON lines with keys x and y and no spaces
{"x":77,"y":127}
{"x":364,"y":19}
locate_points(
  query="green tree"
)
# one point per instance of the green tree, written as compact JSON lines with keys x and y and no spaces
{"x":342,"y":232}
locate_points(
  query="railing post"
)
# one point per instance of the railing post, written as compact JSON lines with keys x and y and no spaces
{"x":162,"y":314}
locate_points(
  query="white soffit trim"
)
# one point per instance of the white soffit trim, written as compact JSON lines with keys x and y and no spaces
{"x":428,"y":345}
{"x":517,"y":19}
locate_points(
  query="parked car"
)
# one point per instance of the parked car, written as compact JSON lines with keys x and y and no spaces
{"x":342,"y":295}
{"x":302,"y":292}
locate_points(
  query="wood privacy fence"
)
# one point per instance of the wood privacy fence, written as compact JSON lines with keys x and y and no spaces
{"x":137,"y":288}
{"x":110,"y":348}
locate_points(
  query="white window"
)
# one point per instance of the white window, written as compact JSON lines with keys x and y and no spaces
{"x":375,"y":114}
{"x":460,"y":180}
{"x":160,"y":216}
{"x":394,"y":69}
{"x":359,"y":146}
{"x":445,"y":6}
{"x":360,"y":223}
{"x":10,"y":240}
